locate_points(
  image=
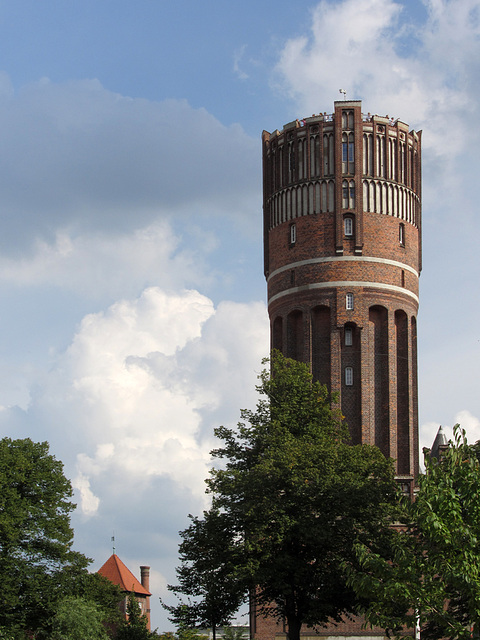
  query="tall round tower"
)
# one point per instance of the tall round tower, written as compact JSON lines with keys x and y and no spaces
{"x":342,"y":245}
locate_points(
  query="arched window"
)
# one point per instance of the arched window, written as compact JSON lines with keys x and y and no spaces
{"x":347,"y":119}
{"x":348,"y":336}
{"x":368,"y":154}
{"x":345,"y":194}
{"x":291,"y":162}
{"x":300,"y":159}
{"x":348,"y":155}
{"x":348,"y":194}
{"x":381,"y":156}
{"x":349,"y":376}
{"x":328,"y":165}
{"x":348,"y":226}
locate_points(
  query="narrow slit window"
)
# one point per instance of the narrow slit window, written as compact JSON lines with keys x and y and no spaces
{"x":348,"y":226}
{"x":351,"y":194}
{"x":401,"y":234}
{"x":349,"y":376}
{"x":293,"y":234}
{"x":345,"y":194}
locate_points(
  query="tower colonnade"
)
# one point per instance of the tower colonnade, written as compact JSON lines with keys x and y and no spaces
{"x":342,"y":249}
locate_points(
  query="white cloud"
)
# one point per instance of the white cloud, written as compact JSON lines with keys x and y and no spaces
{"x":424,"y":75}
{"x":136,"y":395}
{"x":108,"y":263}
{"x":470,"y":423}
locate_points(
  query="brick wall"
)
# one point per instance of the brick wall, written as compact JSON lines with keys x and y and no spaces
{"x":316,"y":173}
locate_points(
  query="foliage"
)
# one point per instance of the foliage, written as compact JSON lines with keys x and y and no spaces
{"x":234,"y":633}
{"x":183,"y":633}
{"x":12,"y":633}
{"x":187,"y":633}
{"x":435,"y":572}
{"x":77,"y":619}
{"x":36,"y":559}
{"x":207,"y":573}
{"x":135,"y":628}
{"x":99,"y":590}
{"x":293,"y":497}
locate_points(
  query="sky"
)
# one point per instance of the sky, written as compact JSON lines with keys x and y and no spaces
{"x":133,"y":304}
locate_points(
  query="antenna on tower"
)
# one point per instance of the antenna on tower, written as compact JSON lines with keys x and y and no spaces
{"x":344,"y":91}
{"x":113,"y":543}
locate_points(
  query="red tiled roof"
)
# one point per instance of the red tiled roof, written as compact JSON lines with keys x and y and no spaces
{"x":115,"y":571}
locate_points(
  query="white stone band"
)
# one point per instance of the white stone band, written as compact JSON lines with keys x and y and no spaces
{"x":344,"y":283}
{"x":327,"y":259}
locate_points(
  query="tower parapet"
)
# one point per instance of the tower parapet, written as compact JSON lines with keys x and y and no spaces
{"x":342,"y":256}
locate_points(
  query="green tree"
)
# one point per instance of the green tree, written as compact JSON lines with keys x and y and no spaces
{"x":135,"y":628}
{"x":187,"y":633}
{"x":235,"y":633}
{"x":78,"y":619}
{"x":294,"y":495}
{"x":207,"y":575}
{"x":97,"y":589}
{"x":36,"y":559}
{"x":433,"y":574}
{"x":166,"y":635}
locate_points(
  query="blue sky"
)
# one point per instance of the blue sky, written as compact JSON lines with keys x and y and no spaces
{"x":133,"y":300}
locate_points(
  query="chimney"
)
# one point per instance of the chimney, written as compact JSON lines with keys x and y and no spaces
{"x":145,"y":580}
{"x":145,"y":577}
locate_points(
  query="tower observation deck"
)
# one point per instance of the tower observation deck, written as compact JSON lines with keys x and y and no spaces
{"x":342,"y":251}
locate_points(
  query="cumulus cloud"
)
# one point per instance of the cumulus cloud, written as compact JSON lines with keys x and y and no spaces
{"x":77,"y":157}
{"x":125,"y":262}
{"x":470,"y":423}
{"x":137,"y":393}
{"x":375,"y":50}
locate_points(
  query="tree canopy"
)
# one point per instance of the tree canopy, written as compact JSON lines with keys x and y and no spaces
{"x":207,"y":574}
{"x":37,"y":563}
{"x":433,"y":575}
{"x":78,"y":619}
{"x":293,"y":496}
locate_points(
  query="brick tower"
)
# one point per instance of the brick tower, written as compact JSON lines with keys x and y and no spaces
{"x":342,"y":246}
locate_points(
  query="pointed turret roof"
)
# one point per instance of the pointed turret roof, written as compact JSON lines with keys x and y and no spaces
{"x":115,"y":571}
{"x":439,"y":443}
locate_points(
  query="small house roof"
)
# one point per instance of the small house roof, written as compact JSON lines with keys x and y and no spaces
{"x":115,"y":571}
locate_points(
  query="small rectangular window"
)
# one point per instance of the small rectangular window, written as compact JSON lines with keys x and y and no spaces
{"x":401,"y":234}
{"x":293,"y":234}
{"x":348,"y":336}
{"x":349,"y":301}
{"x":349,"y":376}
{"x":348,"y":226}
